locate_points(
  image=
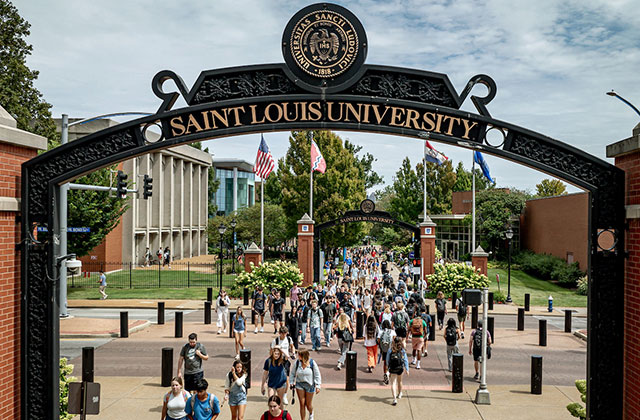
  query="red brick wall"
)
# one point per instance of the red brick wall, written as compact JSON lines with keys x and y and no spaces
{"x":631,"y":165}
{"x":109,"y":250}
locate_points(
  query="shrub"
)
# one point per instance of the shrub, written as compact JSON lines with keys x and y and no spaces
{"x":499,"y":297}
{"x":276,"y":274}
{"x":576,"y":409}
{"x":65,"y":379}
{"x":455,"y":277}
{"x":583,"y":286}
{"x":567,"y":275}
{"x":547,"y":266}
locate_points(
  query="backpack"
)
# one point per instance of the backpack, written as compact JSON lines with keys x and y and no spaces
{"x":462,"y":308}
{"x":385,"y":341}
{"x":267,"y":415}
{"x":395,"y":363}
{"x":185,"y":395}
{"x":451,"y":336}
{"x":399,"y":320}
{"x":221,"y":301}
{"x":244,"y":385}
{"x":313,"y":380}
{"x":289,"y":339}
{"x":416,"y":327}
{"x":193,"y":401}
{"x":477,"y":340}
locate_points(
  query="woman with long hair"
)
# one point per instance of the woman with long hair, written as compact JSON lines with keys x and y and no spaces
{"x":175,"y":401}
{"x":275,"y":411}
{"x":239,"y":330}
{"x":371,"y":342}
{"x":441,"y":309}
{"x":398,"y":365}
{"x":385,"y":340}
{"x":344,"y":332}
{"x":387,"y":315}
{"x":293,"y":325}
{"x":235,"y":390}
{"x":275,"y":374}
{"x":305,"y":379}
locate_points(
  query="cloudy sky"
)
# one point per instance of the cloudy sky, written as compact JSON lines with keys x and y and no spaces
{"x":553,"y":61}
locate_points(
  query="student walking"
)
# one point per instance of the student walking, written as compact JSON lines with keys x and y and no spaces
{"x":401,"y":321}
{"x":385,"y":339}
{"x":328,"y":313}
{"x":315,"y":325}
{"x":462,"y":310}
{"x":441,"y":309}
{"x":202,"y":405}
{"x":344,"y":332}
{"x":371,"y":342}
{"x":429,"y":321}
{"x":274,"y":376}
{"x":192,"y":354}
{"x":475,"y":347}
{"x":451,"y":337}
{"x":277,"y":303}
{"x":293,"y":325}
{"x":275,"y":411}
{"x":418,"y":328}
{"x":103,"y":284}
{"x":222,"y":308}
{"x":398,"y":365}
{"x":305,"y":379}
{"x":235,"y":390}
{"x":258,"y":304}
{"x":239,"y":330}
{"x":175,"y":401}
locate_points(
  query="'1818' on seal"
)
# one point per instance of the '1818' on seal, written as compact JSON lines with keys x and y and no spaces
{"x":324,"y":43}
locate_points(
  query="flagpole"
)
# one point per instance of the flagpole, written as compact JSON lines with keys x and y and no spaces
{"x":473,"y":205}
{"x":262,"y":218}
{"x":311,"y":195}
{"x":424,"y":183}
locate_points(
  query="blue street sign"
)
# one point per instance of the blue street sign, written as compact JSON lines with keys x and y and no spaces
{"x":411,"y":255}
{"x":234,"y":238}
{"x":69,"y":229}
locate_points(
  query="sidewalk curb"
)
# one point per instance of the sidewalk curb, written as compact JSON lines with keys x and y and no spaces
{"x":580,"y":335}
{"x":107,"y":335}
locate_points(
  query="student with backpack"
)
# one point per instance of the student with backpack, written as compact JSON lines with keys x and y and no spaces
{"x":175,"y":401}
{"x":202,"y":405}
{"x":398,"y":365}
{"x":385,"y":339}
{"x":306,"y":380}
{"x":344,"y":332}
{"x":462,"y":314}
{"x":275,"y":411}
{"x":451,"y":337}
{"x":222,"y":308}
{"x":371,"y":342}
{"x":475,"y":347}
{"x":429,"y":321}
{"x":400,"y":321}
{"x":235,"y":390}
{"x":441,"y":309}
{"x":417,"y":329}
{"x":275,"y":374}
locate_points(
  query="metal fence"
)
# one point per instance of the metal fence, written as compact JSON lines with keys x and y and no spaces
{"x":132,"y":276}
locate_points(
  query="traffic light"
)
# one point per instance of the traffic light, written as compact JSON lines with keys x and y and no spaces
{"x":121,"y":187}
{"x":148,"y":186}
{"x":416,"y":262}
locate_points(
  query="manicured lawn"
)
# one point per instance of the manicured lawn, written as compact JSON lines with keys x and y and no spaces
{"x":192,"y":293}
{"x":539,"y":290}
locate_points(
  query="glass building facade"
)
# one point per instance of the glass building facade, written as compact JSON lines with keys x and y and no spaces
{"x":245,"y":184}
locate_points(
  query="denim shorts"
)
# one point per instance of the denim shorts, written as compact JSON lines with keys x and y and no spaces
{"x":238,"y":398}
{"x":306,"y":387}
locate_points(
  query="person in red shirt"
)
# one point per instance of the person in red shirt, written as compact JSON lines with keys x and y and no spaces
{"x":275,"y":412}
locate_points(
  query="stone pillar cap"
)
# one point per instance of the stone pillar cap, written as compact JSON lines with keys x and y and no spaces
{"x":253,"y":249}
{"x":6,"y":118}
{"x":306,"y":220}
{"x":427,"y":222}
{"x":479,"y":252}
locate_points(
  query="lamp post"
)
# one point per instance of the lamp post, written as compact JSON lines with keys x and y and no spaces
{"x":614,"y":94}
{"x":221,"y":229}
{"x":233,"y":241}
{"x":509,"y":235}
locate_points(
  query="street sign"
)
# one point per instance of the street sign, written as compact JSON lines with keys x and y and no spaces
{"x":412,"y":255}
{"x":69,"y":229}
{"x":84,"y":398}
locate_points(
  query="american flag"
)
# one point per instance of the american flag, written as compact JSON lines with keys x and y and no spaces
{"x":264,"y":161}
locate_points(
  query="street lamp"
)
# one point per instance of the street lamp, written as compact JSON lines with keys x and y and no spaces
{"x":221,"y":229}
{"x":233,"y":241}
{"x":509,"y":235}
{"x":614,"y":94}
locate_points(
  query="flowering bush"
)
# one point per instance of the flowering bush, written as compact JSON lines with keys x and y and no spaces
{"x":454,"y":277}
{"x":269,"y":275}
{"x":65,"y":379}
{"x":583,"y":286}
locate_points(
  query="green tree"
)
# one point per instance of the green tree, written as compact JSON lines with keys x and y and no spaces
{"x":340,"y":189}
{"x":383,"y":198}
{"x":248,"y":227}
{"x":550,"y":188}
{"x":272,"y":188}
{"x":18,"y":95}
{"x":365,"y":164}
{"x":494,"y":210}
{"x":463,"y":179}
{"x":98,"y":210}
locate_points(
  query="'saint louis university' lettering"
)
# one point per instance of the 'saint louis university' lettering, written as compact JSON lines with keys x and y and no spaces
{"x":279,"y":112}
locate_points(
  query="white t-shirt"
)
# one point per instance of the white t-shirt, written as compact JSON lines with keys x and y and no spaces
{"x":285,"y":345}
{"x":177,"y":404}
{"x":366,"y":301}
{"x":370,"y":342}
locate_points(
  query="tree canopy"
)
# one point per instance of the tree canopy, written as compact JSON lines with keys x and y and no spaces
{"x":550,"y":188}
{"x":495,"y":208}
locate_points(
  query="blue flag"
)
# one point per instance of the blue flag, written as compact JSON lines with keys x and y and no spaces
{"x":479,"y":159}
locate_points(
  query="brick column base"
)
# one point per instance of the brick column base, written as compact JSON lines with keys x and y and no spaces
{"x":305,"y":249}
{"x":252,"y":255}
{"x":479,"y":260}
{"x":428,"y":245}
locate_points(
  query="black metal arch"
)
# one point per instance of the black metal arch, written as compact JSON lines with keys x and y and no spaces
{"x":264,"y":98}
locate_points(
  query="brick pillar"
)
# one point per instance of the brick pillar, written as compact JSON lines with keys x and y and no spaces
{"x":16,"y":147}
{"x":479,"y":260}
{"x":428,"y":245}
{"x":252,"y":255}
{"x":305,"y":248}
{"x":627,"y":157}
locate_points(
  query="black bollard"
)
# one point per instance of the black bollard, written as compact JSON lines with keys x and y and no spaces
{"x":542,"y":332}
{"x":287,"y":314}
{"x":536,"y":375}
{"x":359,"y":324}
{"x":520,"y":319}
{"x":428,"y":313}
{"x":432,"y":330}
{"x":124,"y":324}
{"x":207,"y":312}
{"x":454,"y":297}
{"x":253,"y":317}
{"x":245,"y":358}
{"x":160,"y":313}
{"x":527,"y":302}
{"x":351,"y":371}
{"x":567,"y":320}
{"x":178,"y":321}
{"x":87,"y":364}
{"x":491,"y":301}
{"x":210,"y":294}
{"x":167,"y":366}
{"x":457,"y":377}
{"x":490,"y":323}
{"x":232,"y":317}
{"x":474,"y":317}
{"x":245,"y":296}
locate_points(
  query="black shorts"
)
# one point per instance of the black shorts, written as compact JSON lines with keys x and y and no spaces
{"x":401,"y":332}
{"x":191,"y":379}
{"x":260,"y":313}
{"x":476,"y":354}
{"x":277,"y":317}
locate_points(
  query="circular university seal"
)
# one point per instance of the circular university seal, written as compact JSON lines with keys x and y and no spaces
{"x":324,"y":45}
{"x":367,"y":206}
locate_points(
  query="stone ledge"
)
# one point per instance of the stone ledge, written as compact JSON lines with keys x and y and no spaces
{"x":9,"y":204}
{"x":23,"y":138}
